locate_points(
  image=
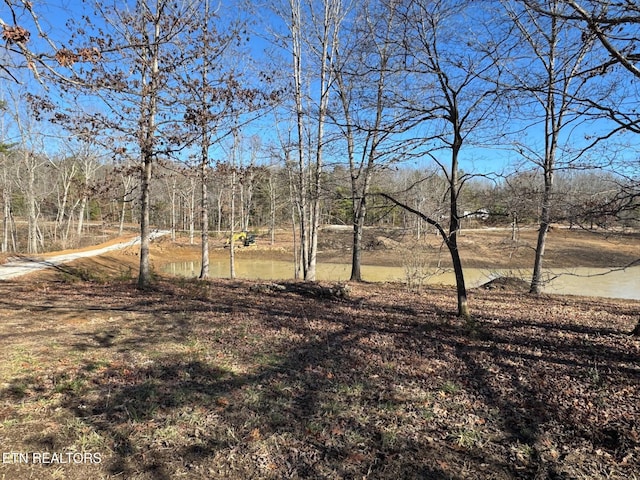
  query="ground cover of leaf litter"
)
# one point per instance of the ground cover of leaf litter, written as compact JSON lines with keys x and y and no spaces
{"x":219,"y":379}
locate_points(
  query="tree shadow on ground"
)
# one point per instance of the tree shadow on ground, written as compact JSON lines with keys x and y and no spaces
{"x":211,"y":381}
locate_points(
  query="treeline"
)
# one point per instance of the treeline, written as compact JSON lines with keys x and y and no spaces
{"x":69,"y":194}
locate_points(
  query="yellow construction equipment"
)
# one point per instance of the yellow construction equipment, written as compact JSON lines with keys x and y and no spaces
{"x":242,"y":238}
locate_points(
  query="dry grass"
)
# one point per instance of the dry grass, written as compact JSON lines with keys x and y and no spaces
{"x":215,"y":380}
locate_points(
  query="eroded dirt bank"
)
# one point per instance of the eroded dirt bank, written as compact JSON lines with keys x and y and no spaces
{"x":491,"y":249}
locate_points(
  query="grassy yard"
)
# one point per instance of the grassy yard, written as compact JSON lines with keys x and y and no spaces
{"x":221,"y":380}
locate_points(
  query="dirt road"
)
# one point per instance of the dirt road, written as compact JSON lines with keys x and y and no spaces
{"x":24,"y":265}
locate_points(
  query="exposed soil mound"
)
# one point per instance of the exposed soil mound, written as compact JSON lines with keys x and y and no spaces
{"x":384,"y":243}
{"x":512,"y":284}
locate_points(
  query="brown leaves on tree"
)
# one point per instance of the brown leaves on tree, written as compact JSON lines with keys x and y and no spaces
{"x":15,"y":34}
{"x":66,"y":57}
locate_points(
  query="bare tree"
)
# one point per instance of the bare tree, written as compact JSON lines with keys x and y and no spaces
{"x":218,"y":101}
{"x":7,"y":182}
{"x":205,"y":141}
{"x":554,"y":85}
{"x":88,"y":165}
{"x":455,"y":94}
{"x":233,"y":174}
{"x":130,"y":71}
{"x":150,"y":87}
{"x":127,"y":174}
{"x":616,"y":28}
{"x":313,"y":34}
{"x":615,"y":24}
{"x":284,"y":152}
{"x":67,"y":169}
{"x":6,"y":176}
{"x":30,"y":160}
{"x":366,"y":74}
{"x":247,"y":183}
{"x":171,"y":184}
{"x":189,"y":197}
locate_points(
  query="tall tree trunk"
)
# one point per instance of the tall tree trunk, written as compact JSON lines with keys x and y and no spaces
{"x":242,"y":207}
{"x":362,"y":173}
{"x":358,"y":203}
{"x":81,"y":213}
{"x":328,"y":46}
{"x":144,"y":276}
{"x":173,"y":210}
{"x":454,"y":223}
{"x":551,"y":138}
{"x":149,"y":109}
{"x":122,"y":215}
{"x":356,"y":253}
{"x":192,"y":214}
{"x":314,"y":224}
{"x":296,"y":43}
{"x":272,"y":211}
{"x":14,"y":232}
{"x":552,"y":126}
{"x":6,"y":219}
{"x":6,"y":204}
{"x":450,"y":241}
{"x":32,"y":220}
{"x":204,"y":272}
{"x":219,"y":217}
{"x":204,"y":153}
{"x":67,"y":230}
{"x":296,"y":208}
{"x":126,"y":181}
{"x":232,"y":221}
{"x":296,"y":253}
{"x":62,"y":208}
{"x":536,"y":279}
{"x":248,"y":197}
{"x":461,"y":289}
{"x":232,"y":202}
{"x":359,"y":198}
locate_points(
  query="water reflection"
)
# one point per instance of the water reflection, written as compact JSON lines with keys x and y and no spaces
{"x":576,"y":281}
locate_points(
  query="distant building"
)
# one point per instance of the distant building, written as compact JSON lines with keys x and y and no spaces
{"x":482,"y":214}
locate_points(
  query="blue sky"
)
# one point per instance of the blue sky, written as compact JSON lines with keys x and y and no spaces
{"x":54,"y":14}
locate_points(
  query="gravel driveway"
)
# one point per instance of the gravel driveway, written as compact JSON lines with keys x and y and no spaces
{"x":22,"y":266}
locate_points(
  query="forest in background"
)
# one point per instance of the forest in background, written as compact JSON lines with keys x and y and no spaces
{"x":70,"y":199}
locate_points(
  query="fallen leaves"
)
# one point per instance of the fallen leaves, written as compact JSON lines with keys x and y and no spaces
{"x":244,"y":386}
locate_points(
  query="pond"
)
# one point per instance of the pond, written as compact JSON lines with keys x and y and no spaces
{"x":598,"y":282}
